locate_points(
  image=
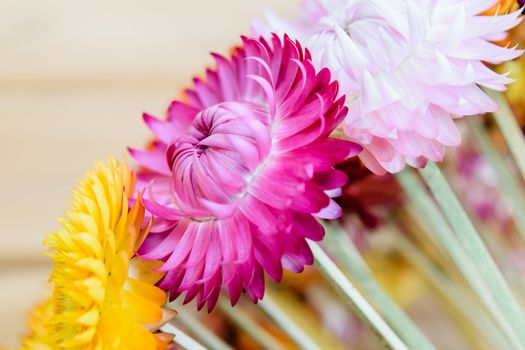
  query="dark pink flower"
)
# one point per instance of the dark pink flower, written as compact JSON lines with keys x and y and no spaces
{"x":367,"y":195}
{"x":240,"y":172}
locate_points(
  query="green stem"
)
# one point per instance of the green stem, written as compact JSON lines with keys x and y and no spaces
{"x":287,"y":325}
{"x":508,"y":182}
{"x":238,"y":316}
{"x":359,"y":303}
{"x":434,"y":218}
{"x":468,"y":310}
{"x":203,"y":334}
{"x":474,"y":247}
{"x":347,"y":254}
{"x":501,"y":254}
{"x":182,"y":339}
{"x":510,"y":129}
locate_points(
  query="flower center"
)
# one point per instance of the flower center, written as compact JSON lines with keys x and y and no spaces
{"x":220,"y":153}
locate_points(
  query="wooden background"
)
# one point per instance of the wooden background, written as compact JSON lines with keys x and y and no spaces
{"x":75,"y":77}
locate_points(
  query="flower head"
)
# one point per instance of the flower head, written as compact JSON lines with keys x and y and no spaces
{"x":408,"y":69}
{"x":516,"y":90}
{"x":367,"y":195}
{"x":240,"y":172}
{"x":39,"y":327}
{"x":516,"y":68}
{"x":103,"y":296}
{"x":502,"y":7}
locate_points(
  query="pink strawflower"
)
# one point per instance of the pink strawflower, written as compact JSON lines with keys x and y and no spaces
{"x":240,"y":172}
{"x":408,"y":68}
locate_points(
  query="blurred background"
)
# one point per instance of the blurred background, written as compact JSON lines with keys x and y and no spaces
{"x":75,"y":77}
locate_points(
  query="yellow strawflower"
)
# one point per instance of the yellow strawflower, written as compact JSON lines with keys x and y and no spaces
{"x":502,"y":7}
{"x":103,"y":296}
{"x":40,"y":328}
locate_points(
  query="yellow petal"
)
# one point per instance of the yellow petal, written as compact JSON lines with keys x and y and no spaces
{"x":148,"y":291}
{"x":140,"y":339}
{"x":89,"y":318}
{"x":79,"y":339}
{"x":144,"y":270}
{"x":94,"y":266}
{"x":140,"y":309}
{"x":90,"y":241}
